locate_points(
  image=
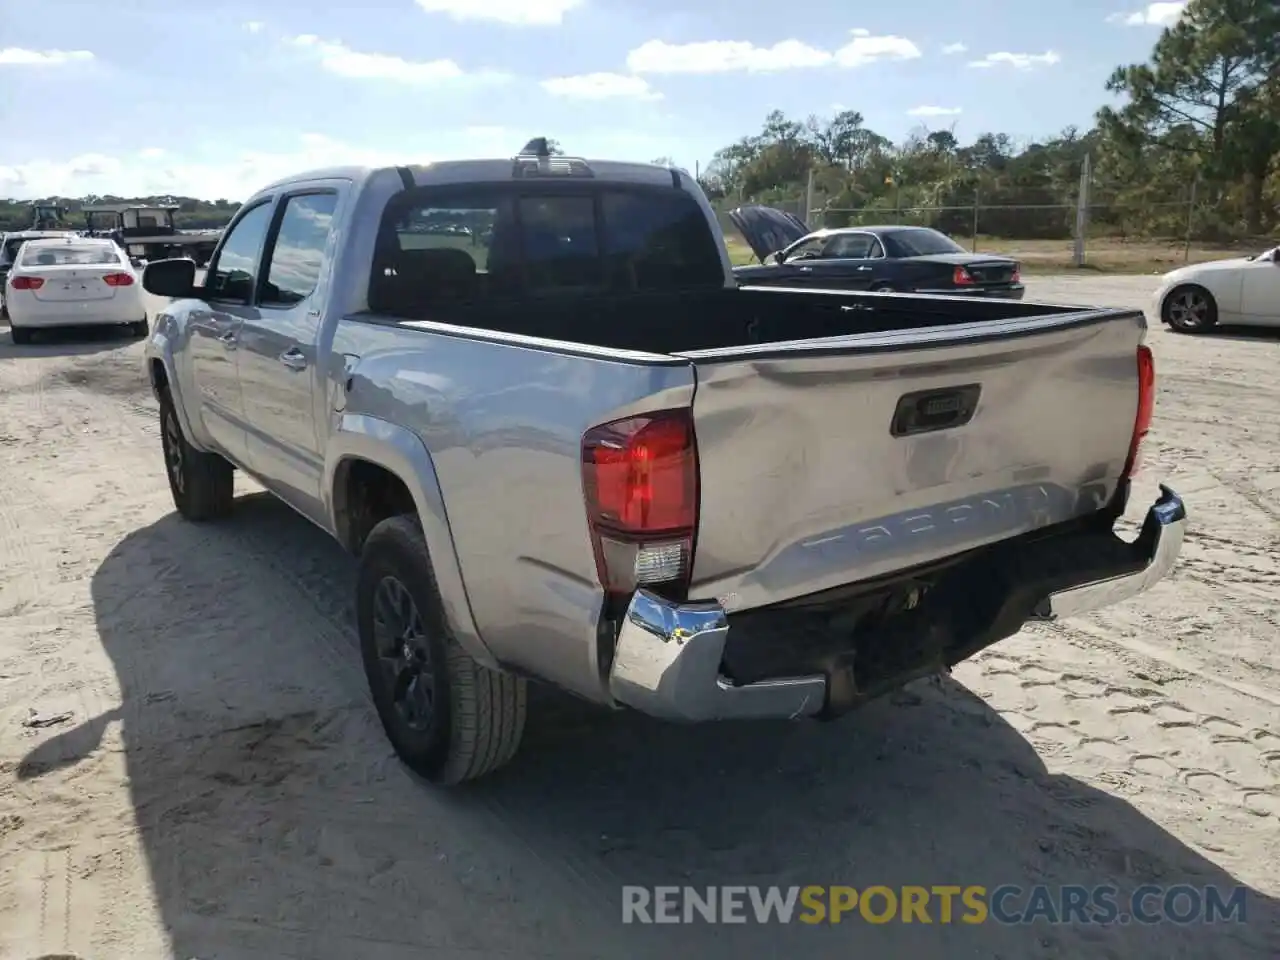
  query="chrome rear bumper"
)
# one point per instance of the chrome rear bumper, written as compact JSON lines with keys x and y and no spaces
{"x":667,"y":661}
{"x":1159,"y":543}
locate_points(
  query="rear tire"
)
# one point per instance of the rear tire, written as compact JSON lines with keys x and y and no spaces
{"x":139,"y":329}
{"x":1189,"y":309}
{"x":202,"y":484}
{"x":449,"y":718}
{"x":21,"y":335}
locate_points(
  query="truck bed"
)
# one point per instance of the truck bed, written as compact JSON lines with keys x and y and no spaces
{"x":676,"y":323}
{"x":819,"y":463}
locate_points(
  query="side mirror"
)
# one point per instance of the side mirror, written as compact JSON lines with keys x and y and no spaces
{"x":170,"y":278}
{"x":137,"y":263}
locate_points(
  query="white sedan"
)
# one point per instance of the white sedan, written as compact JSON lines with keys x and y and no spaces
{"x":71,"y":282}
{"x":1245,"y":290}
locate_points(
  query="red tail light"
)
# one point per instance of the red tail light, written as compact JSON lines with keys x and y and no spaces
{"x":1017,"y":274}
{"x":118,"y":280}
{"x":961,"y":277}
{"x":1146,"y":408}
{"x":640,"y":479}
{"x":26,"y":283}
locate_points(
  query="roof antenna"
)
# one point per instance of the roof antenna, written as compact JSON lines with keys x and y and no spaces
{"x":537,"y":147}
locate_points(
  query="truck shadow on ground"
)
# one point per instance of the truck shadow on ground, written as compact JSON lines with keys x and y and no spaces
{"x":275,"y":822}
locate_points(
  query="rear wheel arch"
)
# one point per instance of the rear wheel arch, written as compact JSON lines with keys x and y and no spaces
{"x":377,"y":470}
{"x":364,"y":494}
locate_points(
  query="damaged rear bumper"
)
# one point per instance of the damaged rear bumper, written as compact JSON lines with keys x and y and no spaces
{"x":669,"y":658}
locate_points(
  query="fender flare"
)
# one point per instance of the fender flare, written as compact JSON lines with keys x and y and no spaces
{"x":401,"y":452}
{"x":158,"y":351}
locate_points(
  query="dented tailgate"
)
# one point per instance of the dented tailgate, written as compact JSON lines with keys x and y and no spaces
{"x":832,"y":461}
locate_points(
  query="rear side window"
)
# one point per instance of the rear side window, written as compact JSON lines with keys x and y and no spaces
{"x":233,"y":274}
{"x":496,"y":243}
{"x":10,"y":251}
{"x":69,"y":255}
{"x":854,"y":246}
{"x":298,"y":251}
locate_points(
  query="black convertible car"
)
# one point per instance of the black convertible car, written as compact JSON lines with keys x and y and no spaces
{"x":900,"y":259}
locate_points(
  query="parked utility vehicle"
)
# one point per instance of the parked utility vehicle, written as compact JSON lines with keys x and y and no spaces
{"x":566,"y":445}
{"x":147,"y":232}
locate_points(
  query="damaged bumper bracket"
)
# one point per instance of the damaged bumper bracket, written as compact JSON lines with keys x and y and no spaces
{"x":667,"y":661}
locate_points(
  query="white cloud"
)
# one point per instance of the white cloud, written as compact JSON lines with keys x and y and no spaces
{"x":51,"y":178}
{"x":927,"y":111}
{"x":601,"y":86}
{"x":1161,"y":14}
{"x":723,"y":56}
{"x":731,"y":56}
{"x":235,"y":174}
{"x":340,"y":59}
{"x":954,"y":48}
{"x":864,"y":49}
{"x":1019,"y":61}
{"x":518,"y":13}
{"x":152,"y":153}
{"x":254,"y":26}
{"x":18,"y":57}
{"x":160,"y":174}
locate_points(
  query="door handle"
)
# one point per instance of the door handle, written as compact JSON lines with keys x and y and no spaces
{"x":806,"y":269}
{"x":228,"y":339}
{"x":294,"y":359}
{"x":864,"y":268}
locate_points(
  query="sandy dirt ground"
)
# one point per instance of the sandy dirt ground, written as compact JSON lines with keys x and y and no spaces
{"x":190,"y":767}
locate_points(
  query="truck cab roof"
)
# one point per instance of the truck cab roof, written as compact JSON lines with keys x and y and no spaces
{"x":496,"y":170}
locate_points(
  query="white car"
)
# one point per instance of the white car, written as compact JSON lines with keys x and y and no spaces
{"x":71,"y":282}
{"x":1244,"y":290}
{"x":10,"y":244}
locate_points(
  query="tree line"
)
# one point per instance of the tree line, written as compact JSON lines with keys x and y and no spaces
{"x":192,"y":214}
{"x":1195,"y":145}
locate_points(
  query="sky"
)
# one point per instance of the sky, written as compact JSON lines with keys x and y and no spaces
{"x":214,"y":100}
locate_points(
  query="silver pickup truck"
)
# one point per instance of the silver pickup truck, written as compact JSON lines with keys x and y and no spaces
{"x":566,"y":445}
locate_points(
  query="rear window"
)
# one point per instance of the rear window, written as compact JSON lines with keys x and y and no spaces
{"x":491,"y":243}
{"x":36,"y":256}
{"x":920,"y":243}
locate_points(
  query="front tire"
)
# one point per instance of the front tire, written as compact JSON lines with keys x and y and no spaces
{"x":449,"y":718}
{"x":1189,"y":309}
{"x":202,"y":484}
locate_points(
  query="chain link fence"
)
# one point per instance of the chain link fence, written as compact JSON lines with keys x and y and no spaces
{"x":1156,"y":235}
